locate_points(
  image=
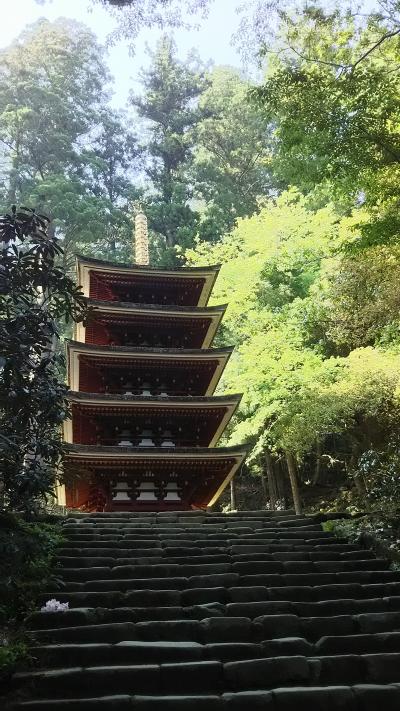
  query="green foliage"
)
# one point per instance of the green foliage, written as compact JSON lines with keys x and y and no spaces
{"x":292,"y":315}
{"x":169,"y":104}
{"x":332,"y":91}
{"x":380,"y":470}
{"x":355,"y":302}
{"x":269,"y":251}
{"x":10,"y":654}
{"x":27,"y":551}
{"x":378,"y":531}
{"x":38,"y":89}
{"x":232,"y":154}
{"x":203,"y":148}
{"x":65,"y":151}
{"x":35,"y":294}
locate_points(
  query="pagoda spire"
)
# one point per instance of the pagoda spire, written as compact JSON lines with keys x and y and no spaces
{"x":141,"y":239}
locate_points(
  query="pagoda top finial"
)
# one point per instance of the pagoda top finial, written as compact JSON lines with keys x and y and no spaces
{"x":141,"y":236}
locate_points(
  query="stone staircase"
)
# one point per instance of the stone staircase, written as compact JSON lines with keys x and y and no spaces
{"x":195,"y":611}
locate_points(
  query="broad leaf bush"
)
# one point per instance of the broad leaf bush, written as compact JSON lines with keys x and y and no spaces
{"x":35,"y":295}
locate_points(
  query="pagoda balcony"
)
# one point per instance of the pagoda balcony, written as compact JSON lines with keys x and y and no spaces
{"x":148,"y":421}
{"x":172,"y":389}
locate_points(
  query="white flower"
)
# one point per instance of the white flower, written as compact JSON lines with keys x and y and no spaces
{"x":54,"y":606}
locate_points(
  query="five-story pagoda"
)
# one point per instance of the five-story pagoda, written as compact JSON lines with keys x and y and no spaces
{"x":142,"y":374}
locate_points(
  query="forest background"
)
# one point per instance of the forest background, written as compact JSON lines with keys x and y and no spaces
{"x":287,"y":173}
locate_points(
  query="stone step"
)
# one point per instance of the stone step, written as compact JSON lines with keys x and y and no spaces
{"x":196,"y":547}
{"x":248,"y":525}
{"x":98,"y":558}
{"x":207,"y":538}
{"x":120,"y":542}
{"x":206,"y":595}
{"x":314,"y":628}
{"x":363,"y":697}
{"x":128,"y":572}
{"x":233,"y":528}
{"x":211,"y":676}
{"x":119,"y":612}
{"x":252,"y":525}
{"x":196,"y":611}
{"x":216,"y":519}
{"x":230,"y":629}
{"x":367,"y":611}
{"x":359,"y":644}
{"x":193,"y":515}
{"x":242,"y":585}
{"x":112,"y":582}
{"x":206,"y":631}
{"x":225,"y":558}
{"x":271,"y":549}
{"x":308,"y":586}
{"x":60,"y":655}
{"x":320,"y":608}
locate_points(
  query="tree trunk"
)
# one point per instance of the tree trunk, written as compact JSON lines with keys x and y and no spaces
{"x":264,"y":484}
{"x":291,"y":465}
{"x":317,"y":470}
{"x":233,"y":495}
{"x":358,"y":480}
{"x":280,"y":477}
{"x":170,"y":240}
{"x":12,"y":188}
{"x":273,"y":494}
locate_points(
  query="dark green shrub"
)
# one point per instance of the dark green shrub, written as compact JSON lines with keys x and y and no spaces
{"x":27,"y":551}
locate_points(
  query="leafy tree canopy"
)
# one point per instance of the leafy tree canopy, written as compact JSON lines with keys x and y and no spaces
{"x":332,"y":90}
{"x":301,"y":390}
{"x":65,"y":151}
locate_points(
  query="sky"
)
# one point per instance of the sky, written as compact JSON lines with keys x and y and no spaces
{"x":212,"y":40}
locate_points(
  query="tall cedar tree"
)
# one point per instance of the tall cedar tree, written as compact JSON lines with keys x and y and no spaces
{"x":232,"y":156}
{"x":107,"y":169}
{"x":170,"y":105}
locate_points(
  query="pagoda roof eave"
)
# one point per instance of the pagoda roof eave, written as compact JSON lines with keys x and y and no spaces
{"x":142,"y":268}
{"x":167,"y":357}
{"x":141,"y":351}
{"x":125,"y":306}
{"x":123,"y":310}
{"x":90,"y":451}
{"x":185,"y":400}
{"x":92,"y":403}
